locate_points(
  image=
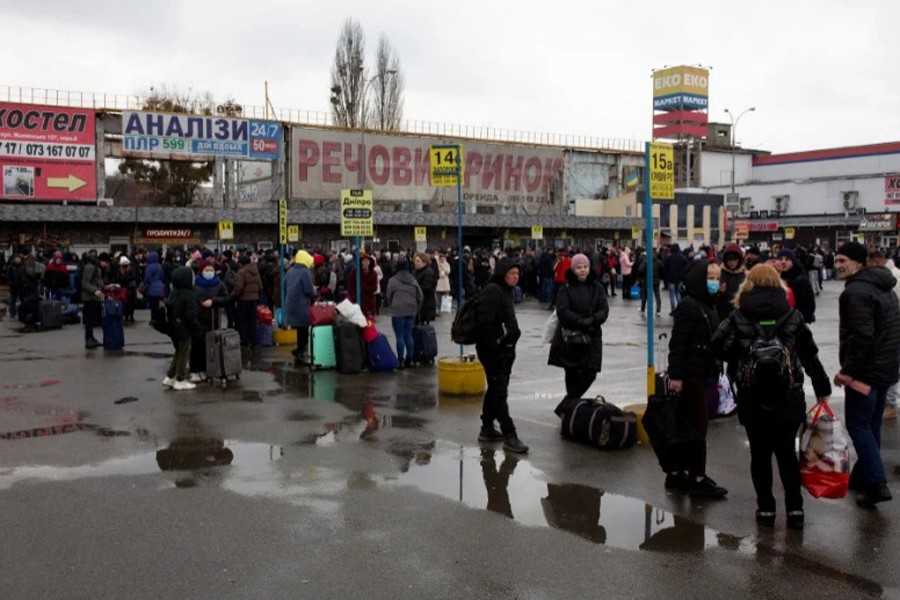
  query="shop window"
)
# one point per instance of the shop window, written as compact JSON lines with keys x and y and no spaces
{"x":664,"y":216}
{"x":682,"y":216}
{"x":698,"y":217}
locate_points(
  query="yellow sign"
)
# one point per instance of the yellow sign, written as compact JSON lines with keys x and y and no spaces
{"x":226,"y":230}
{"x":635,"y":233}
{"x":789,"y":233}
{"x":445,"y":163}
{"x":678,"y":81}
{"x":662,"y":171}
{"x":741,"y":230}
{"x":357,"y":213}
{"x":420,"y":233}
{"x":537,"y":232}
{"x":293,"y":233}
{"x":282,"y":222}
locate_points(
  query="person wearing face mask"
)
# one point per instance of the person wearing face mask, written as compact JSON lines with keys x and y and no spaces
{"x":212,"y":295}
{"x":869,"y":353}
{"x":692,"y":364}
{"x":582,"y":308}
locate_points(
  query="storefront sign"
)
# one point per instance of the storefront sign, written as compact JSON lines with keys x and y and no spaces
{"x":891,"y":190}
{"x":172,"y":234}
{"x":47,"y":153}
{"x":766,"y":226}
{"x":878,"y":222}
{"x":194,"y":137}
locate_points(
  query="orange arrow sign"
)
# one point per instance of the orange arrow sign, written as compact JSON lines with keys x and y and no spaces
{"x":71,"y":183}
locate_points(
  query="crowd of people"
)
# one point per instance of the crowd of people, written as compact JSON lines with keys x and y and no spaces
{"x":723,"y":302}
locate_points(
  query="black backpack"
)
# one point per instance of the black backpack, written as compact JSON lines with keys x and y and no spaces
{"x":768,"y":372}
{"x":465,"y":325}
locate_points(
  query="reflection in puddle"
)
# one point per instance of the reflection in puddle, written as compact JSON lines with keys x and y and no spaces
{"x":512,"y":487}
{"x":159,"y":355}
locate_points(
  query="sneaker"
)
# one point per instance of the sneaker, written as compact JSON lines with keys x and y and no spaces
{"x":168,"y":382}
{"x":91,"y":344}
{"x":707,"y":488}
{"x":679,"y":482}
{"x":795,"y":519}
{"x":184,"y":385}
{"x":767,"y":517}
{"x":196,"y":378}
{"x":490,"y":435}
{"x":513,"y":444}
{"x":890,"y":412}
{"x":874,"y":495}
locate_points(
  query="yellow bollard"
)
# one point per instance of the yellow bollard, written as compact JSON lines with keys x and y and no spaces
{"x":461,"y":377}
{"x":639,"y":410}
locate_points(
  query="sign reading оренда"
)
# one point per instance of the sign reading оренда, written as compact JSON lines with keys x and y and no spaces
{"x":47,"y":153}
{"x":193,"y":137}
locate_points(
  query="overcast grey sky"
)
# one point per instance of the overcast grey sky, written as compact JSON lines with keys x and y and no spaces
{"x":821,"y":73}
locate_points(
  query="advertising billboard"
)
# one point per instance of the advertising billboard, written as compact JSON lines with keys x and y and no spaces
{"x":199,"y":137}
{"x":47,"y":153}
{"x":681,"y":88}
{"x":324,"y":162}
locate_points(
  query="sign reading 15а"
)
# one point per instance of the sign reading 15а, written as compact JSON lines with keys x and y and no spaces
{"x":661,"y":163}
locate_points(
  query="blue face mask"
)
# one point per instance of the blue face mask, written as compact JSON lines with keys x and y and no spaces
{"x":712,"y":286}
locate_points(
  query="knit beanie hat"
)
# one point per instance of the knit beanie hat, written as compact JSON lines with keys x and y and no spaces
{"x":580,"y":259}
{"x":788,"y":253}
{"x":854,"y":251}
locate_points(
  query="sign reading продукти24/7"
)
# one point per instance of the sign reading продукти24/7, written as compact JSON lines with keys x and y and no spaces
{"x":191,"y":137}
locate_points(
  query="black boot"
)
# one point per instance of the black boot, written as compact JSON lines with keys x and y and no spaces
{"x":512,"y":443}
{"x":873,"y":495}
{"x":490,"y":434}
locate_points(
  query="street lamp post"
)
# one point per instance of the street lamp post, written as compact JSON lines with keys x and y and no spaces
{"x":734,"y":124}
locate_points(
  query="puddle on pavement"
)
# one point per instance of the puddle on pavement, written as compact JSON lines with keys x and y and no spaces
{"x":158,"y":355}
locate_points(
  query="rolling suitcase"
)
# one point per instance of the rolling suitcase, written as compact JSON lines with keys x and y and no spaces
{"x":52,"y":314}
{"x":425,"y":345}
{"x":223,"y":355}
{"x":381,"y":355}
{"x":349,"y":347}
{"x":113,"y":328}
{"x":321,"y":347}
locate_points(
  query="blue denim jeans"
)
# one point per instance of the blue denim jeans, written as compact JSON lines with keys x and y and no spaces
{"x":674,"y":295}
{"x":863,"y":415}
{"x":403,"y":327}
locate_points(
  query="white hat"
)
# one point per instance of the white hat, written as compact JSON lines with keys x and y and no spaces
{"x":124,"y":260}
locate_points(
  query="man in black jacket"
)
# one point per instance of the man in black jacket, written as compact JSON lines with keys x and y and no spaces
{"x":792,"y":274}
{"x":869,"y":352}
{"x":496,"y":348}
{"x":673,"y":270}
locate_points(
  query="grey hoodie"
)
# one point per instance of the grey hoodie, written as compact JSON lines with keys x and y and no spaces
{"x":404,"y":294}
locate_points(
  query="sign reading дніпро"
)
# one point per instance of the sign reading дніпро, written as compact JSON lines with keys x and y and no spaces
{"x":357,"y":213}
{"x":194,"y":137}
{"x":47,"y":153}
{"x":662,"y":171}
{"x":680,"y":88}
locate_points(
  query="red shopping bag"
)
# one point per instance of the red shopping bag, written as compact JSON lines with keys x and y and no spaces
{"x":321,"y":314}
{"x":369,"y":332}
{"x":824,"y":454}
{"x":264,"y":315}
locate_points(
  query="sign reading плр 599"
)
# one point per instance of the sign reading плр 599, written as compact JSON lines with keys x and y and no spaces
{"x":47,"y":153}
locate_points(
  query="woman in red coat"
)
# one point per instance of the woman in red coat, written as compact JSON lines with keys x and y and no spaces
{"x":369,"y":283}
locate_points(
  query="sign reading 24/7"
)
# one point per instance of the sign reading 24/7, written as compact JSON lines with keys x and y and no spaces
{"x":161,"y":135}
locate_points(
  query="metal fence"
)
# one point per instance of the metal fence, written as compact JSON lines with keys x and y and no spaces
{"x":119,"y":102}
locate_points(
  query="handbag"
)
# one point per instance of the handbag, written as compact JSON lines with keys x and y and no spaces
{"x":573,"y":337}
{"x":321,"y":314}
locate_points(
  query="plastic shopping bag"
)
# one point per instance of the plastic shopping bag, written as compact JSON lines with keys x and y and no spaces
{"x":824,"y":454}
{"x":352,"y":313}
{"x":550,"y":328}
{"x":727,"y":404}
{"x":446,"y":304}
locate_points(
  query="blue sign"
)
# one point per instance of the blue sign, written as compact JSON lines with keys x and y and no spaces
{"x":680,"y":102}
{"x":193,"y":137}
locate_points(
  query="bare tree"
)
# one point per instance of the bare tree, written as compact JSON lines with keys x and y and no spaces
{"x":386,"y":111}
{"x":348,"y":76}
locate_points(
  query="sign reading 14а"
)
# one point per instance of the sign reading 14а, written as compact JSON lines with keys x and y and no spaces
{"x":446,"y":162}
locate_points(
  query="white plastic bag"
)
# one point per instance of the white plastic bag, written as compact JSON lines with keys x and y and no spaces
{"x":352,"y":313}
{"x":727,"y":404}
{"x":446,"y":304}
{"x":550,"y":328}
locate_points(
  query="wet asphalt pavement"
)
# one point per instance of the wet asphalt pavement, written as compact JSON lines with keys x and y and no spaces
{"x":291,"y":484}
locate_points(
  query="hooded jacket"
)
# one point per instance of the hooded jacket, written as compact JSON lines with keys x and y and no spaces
{"x":428,"y":283}
{"x":404,"y":294}
{"x":869,"y":334}
{"x":581,"y":306}
{"x":182,"y":305}
{"x":731,"y":280}
{"x":674,"y":266}
{"x":299,"y":292}
{"x":690,"y":350}
{"x":247,"y":284}
{"x":804,"y":296}
{"x":91,"y":280}
{"x":209,"y":289}
{"x":498,"y":329}
{"x":153,"y":277}
{"x":732,"y":342}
